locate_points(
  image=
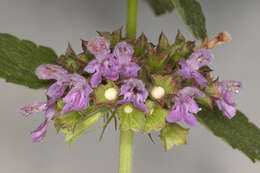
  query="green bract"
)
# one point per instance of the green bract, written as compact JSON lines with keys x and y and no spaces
{"x":173,"y":134}
{"x":155,"y":119}
{"x":72,"y":135}
{"x":130,"y":118}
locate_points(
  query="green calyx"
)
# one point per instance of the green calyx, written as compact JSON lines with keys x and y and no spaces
{"x":114,"y":37}
{"x":180,"y":50}
{"x":212,"y":93}
{"x":73,"y":62}
{"x":140,"y":46}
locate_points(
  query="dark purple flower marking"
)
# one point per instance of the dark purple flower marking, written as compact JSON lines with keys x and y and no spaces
{"x":185,"y":106}
{"x":226,"y":103}
{"x":134,"y":91}
{"x":189,"y":68}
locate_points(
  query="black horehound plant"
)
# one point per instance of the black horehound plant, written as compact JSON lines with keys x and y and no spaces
{"x":140,"y":86}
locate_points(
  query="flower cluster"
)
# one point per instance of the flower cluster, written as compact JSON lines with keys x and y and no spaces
{"x":76,"y":99}
{"x":110,"y":65}
{"x":174,"y":87}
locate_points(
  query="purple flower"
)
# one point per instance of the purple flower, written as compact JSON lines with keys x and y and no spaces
{"x":99,"y":46}
{"x":104,"y":63}
{"x":50,"y":71}
{"x":124,"y":52}
{"x":226,"y":103}
{"x":134,"y":91}
{"x":49,"y":112}
{"x":78,"y":97}
{"x":123,"y":49}
{"x":56,"y":91}
{"x":33,"y":109}
{"x":185,"y":106}
{"x":189,"y":68}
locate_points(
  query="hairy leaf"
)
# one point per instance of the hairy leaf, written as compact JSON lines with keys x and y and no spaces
{"x":189,"y":10}
{"x":191,"y":13}
{"x":160,"y":6}
{"x":20,"y":58}
{"x":238,"y":132}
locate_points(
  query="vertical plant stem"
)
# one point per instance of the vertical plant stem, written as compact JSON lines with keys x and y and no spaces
{"x":126,"y":151}
{"x":131,"y":18}
{"x":127,"y":137}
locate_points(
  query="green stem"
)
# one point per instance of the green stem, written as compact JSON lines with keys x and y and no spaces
{"x":127,"y":137}
{"x":131,"y":18}
{"x":126,"y":151}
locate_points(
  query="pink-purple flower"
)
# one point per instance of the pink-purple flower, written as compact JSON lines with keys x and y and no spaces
{"x":78,"y":97}
{"x":134,"y":91}
{"x":104,"y":63}
{"x":50,"y":71}
{"x":185,"y":106}
{"x":189,"y":68}
{"x":99,"y":46}
{"x":49,"y":112}
{"x":226,"y":103}
{"x":123,"y":53}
